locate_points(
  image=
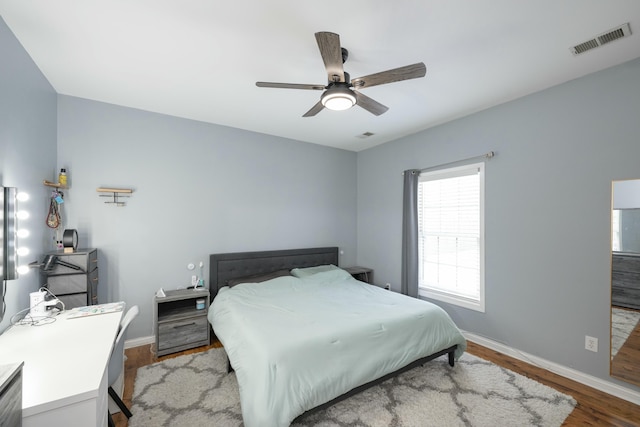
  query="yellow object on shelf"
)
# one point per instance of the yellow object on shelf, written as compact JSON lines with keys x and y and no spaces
{"x":62,"y":178}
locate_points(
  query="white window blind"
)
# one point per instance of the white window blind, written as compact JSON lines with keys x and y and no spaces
{"x":450,"y":234}
{"x":615,"y":230}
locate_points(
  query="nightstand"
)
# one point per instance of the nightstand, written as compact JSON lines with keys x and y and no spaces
{"x":180,"y":320}
{"x":363,"y":274}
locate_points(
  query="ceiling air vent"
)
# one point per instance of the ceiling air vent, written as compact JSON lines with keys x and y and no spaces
{"x":611,"y":35}
{"x":365,"y":135}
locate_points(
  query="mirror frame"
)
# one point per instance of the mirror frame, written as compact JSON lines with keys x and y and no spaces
{"x":623,"y":365}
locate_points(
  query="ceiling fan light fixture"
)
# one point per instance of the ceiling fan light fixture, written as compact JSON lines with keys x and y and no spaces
{"x":338,"y":99}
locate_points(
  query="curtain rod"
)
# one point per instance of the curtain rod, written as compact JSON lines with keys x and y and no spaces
{"x":488,"y":155}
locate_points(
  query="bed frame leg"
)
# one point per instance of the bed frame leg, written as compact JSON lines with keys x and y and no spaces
{"x":451,"y":359}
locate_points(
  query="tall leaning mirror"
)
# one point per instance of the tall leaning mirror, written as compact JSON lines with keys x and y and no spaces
{"x":625,"y":281}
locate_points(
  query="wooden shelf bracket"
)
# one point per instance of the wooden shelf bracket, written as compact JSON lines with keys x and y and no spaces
{"x":53,"y":184}
{"x":116,"y":194}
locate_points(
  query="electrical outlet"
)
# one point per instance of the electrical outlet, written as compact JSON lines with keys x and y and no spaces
{"x":591,"y":343}
{"x":388,"y":286}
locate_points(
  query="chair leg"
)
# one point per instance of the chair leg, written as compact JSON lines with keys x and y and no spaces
{"x":119,"y":402}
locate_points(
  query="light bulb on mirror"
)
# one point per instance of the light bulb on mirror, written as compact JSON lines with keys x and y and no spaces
{"x":22,"y":251}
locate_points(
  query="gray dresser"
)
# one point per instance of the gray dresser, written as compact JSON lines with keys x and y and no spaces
{"x":11,"y":395}
{"x":625,"y":280}
{"x":75,"y":287}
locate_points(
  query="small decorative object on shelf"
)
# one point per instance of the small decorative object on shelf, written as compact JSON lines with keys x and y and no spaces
{"x":62,"y":178}
{"x":70,"y":240}
{"x":116,"y":193}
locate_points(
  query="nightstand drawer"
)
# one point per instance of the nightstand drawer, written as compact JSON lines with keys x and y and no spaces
{"x":178,"y":333}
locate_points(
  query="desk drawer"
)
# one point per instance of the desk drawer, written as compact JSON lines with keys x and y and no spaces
{"x":11,"y":402}
{"x":181,"y":332}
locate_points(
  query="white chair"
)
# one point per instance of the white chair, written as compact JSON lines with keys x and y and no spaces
{"x":116,"y":361}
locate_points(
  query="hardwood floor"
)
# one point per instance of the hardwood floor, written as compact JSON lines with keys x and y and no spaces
{"x":594,"y":407}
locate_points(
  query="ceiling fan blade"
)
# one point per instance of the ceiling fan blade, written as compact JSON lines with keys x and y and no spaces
{"x":314,"y":110}
{"x":407,"y":72}
{"x":290,"y":86}
{"x":374,"y":107}
{"x":329,"y":44}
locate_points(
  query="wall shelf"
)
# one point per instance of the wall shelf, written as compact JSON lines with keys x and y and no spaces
{"x":54,"y":184}
{"x":116,"y":193}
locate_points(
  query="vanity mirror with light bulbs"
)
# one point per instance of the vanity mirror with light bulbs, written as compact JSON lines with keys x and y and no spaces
{"x":625,"y":280}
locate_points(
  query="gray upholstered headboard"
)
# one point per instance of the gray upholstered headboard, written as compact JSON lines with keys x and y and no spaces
{"x":223,"y":267}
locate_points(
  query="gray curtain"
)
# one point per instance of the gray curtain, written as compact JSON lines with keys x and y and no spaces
{"x":409,"y":285}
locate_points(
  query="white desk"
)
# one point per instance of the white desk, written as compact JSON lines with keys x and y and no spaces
{"x":65,"y":369}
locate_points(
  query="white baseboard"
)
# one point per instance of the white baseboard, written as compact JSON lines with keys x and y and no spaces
{"x":137,"y":342}
{"x":589,"y":380}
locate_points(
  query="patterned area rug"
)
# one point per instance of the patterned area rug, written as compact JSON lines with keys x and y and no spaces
{"x":195,"y":390}
{"x":622,"y":323}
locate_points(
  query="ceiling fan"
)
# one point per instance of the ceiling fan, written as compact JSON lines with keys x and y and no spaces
{"x":342,"y":92}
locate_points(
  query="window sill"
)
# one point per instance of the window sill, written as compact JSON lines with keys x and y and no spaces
{"x":476,"y":305}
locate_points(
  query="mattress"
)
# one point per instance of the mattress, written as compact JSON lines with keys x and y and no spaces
{"x":296,"y":343}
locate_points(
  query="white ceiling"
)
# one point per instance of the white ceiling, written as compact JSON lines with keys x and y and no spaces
{"x":200,"y":59}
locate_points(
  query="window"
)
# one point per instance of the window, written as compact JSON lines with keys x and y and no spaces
{"x":451,"y":235}
{"x":615,"y":230}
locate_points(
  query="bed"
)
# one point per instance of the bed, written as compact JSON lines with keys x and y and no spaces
{"x":302,"y":334}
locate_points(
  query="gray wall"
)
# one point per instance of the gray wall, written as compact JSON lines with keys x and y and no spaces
{"x":548,"y":196}
{"x":27,"y":152}
{"x":198,"y":189}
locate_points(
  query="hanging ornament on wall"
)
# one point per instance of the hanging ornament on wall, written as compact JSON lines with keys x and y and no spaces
{"x":53,"y":216}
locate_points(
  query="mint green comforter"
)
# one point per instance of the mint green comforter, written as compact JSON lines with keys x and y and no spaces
{"x":296,"y":343}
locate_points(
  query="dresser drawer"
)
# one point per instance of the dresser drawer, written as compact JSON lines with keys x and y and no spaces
{"x":74,"y":300}
{"x":182,"y":332}
{"x":86,"y":261}
{"x":67,"y":284}
{"x":625,"y":263}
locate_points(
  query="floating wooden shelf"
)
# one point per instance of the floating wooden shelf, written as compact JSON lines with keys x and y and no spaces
{"x":116,"y":193}
{"x":114,"y":190}
{"x":54,"y":184}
